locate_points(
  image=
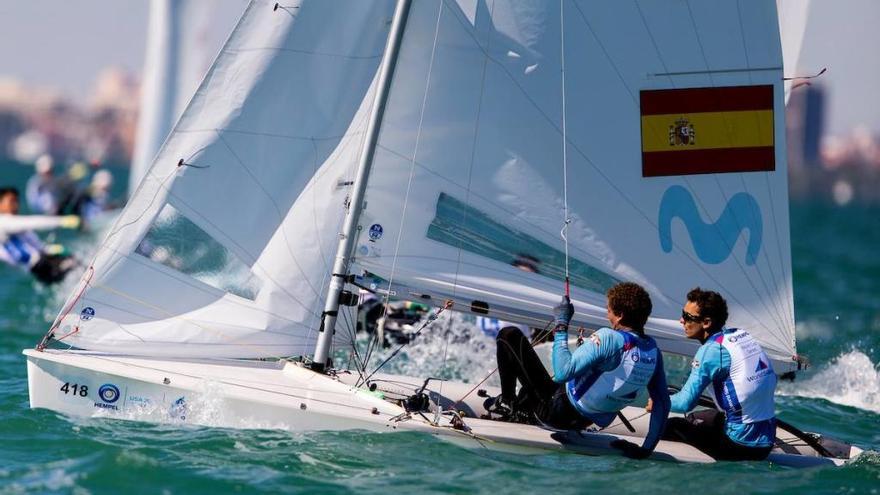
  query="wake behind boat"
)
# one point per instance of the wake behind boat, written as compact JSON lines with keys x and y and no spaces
{"x":432,"y":156}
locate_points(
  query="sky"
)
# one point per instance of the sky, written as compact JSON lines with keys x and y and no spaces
{"x":64,"y":44}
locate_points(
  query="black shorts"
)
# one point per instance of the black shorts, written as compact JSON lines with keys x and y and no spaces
{"x":52,"y":268}
{"x":705,"y":431}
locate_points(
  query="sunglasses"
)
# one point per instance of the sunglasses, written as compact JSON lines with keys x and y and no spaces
{"x":689,"y":317}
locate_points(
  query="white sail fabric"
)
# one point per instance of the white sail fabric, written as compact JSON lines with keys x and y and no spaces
{"x":466,"y":195}
{"x":176,"y":61}
{"x":793,"y":15}
{"x":226,"y":246}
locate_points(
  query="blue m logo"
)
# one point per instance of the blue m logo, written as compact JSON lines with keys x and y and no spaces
{"x":713,"y":242}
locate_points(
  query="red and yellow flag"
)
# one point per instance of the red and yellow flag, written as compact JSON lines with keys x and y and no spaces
{"x":707,"y":130}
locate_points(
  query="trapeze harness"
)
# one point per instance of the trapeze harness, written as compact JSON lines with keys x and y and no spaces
{"x":609,"y":392}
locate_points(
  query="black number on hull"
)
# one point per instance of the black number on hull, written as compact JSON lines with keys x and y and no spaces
{"x":75,"y":389}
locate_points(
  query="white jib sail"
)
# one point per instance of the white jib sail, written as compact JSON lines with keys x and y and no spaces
{"x":226,"y":246}
{"x":465,"y":197}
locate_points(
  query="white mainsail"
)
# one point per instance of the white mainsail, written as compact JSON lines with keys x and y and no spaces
{"x":465,"y":197}
{"x":225,"y":248}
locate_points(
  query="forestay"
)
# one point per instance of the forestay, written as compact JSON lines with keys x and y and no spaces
{"x":226,"y":247}
{"x":671,"y":189}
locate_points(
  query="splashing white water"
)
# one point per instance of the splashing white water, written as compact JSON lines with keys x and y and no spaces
{"x":851,"y":379}
{"x":452,"y":347}
{"x":207,"y":406}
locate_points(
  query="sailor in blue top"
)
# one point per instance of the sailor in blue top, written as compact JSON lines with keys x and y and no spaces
{"x":593,"y":383}
{"x":742,"y":426}
{"x":19,"y":245}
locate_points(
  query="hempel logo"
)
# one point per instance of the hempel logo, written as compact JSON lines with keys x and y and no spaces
{"x":109,"y":394}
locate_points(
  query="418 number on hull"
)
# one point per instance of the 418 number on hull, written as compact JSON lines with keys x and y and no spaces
{"x":75,"y":389}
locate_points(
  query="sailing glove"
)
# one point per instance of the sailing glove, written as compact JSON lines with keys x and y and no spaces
{"x":562,"y":314}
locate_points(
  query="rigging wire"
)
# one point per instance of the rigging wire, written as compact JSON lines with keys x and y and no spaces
{"x":439,"y":406}
{"x":566,"y":219}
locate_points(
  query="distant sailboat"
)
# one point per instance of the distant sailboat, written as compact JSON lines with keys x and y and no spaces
{"x":793,"y":16}
{"x":177,"y":57}
{"x":415,"y":148}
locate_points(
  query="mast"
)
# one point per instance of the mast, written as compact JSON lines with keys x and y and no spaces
{"x":365,"y":163}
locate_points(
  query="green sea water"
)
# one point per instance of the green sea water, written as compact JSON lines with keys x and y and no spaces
{"x":837,"y":281}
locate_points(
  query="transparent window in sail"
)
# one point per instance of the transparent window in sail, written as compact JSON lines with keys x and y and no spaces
{"x":176,"y":242}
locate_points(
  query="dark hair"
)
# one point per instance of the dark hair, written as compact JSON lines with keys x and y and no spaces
{"x":711,"y":305}
{"x":8,"y":190}
{"x":632,"y":302}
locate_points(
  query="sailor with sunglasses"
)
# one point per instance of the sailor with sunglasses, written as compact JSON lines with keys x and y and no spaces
{"x":743,"y":425}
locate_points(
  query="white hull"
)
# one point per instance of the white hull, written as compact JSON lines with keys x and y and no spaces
{"x":284,"y":395}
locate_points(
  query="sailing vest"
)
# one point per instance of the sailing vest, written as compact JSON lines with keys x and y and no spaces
{"x":746,"y":395}
{"x":610,"y":391}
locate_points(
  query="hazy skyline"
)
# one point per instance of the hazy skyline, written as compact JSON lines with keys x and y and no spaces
{"x":64,"y":45}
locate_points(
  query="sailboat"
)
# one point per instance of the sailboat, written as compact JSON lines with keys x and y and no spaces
{"x":793,"y":15}
{"x":426,"y":150}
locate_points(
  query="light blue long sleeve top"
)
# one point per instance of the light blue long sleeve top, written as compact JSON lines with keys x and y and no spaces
{"x":602,"y":352}
{"x":711,"y":365}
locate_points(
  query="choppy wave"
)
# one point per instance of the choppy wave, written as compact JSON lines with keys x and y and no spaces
{"x":851,"y":379}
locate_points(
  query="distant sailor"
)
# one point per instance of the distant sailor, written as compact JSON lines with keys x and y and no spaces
{"x":96,"y":199}
{"x":591,"y":385}
{"x":743,"y":382}
{"x":42,"y":188}
{"x":19,"y":245}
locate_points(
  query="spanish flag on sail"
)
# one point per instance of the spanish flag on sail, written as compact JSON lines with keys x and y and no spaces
{"x":707,"y":130}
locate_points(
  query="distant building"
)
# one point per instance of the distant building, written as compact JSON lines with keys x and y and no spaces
{"x":36,"y":120}
{"x":813,"y":125}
